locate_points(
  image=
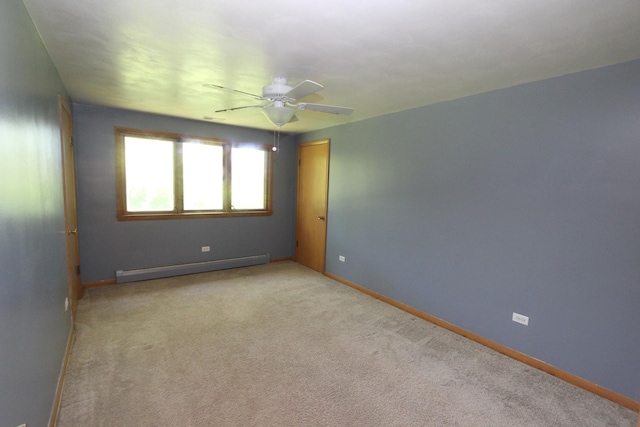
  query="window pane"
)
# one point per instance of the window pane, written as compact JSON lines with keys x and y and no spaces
{"x":149,"y":172}
{"x":248,"y":178}
{"x":202,"y":176}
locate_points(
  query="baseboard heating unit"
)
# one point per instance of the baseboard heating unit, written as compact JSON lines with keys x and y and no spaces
{"x":125,"y":276}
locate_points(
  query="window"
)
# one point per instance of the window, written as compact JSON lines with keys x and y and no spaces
{"x":164,"y":175}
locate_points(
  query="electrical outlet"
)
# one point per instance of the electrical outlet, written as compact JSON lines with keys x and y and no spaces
{"x":66,"y":304}
{"x":520,"y":318}
{"x":341,"y":258}
{"x":206,"y":248}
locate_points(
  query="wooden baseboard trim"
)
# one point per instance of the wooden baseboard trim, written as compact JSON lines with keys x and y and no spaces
{"x":63,"y":372}
{"x":99,"y":283}
{"x":521,"y":357}
{"x":281,"y":259}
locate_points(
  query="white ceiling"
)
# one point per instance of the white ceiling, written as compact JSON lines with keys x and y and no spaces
{"x":375,"y":56}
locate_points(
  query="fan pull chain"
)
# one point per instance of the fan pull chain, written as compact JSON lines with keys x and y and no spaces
{"x":276,"y":140}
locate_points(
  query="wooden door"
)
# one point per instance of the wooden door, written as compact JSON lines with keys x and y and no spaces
{"x":71,"y":218}
{"x":311,"y":221}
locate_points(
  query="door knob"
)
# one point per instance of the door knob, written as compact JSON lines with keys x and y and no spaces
{"x":321,"y":218}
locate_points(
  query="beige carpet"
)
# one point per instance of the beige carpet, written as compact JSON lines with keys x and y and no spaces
{"x":281,"y":345}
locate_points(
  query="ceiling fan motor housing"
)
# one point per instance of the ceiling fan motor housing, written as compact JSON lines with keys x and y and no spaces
{"x":277,"y":89}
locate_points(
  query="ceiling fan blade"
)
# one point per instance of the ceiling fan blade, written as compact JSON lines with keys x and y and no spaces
{"x":332,"y":109}
{"x":305,"y":88}
{"x":238,"y":108}
{"x":232,"y":90}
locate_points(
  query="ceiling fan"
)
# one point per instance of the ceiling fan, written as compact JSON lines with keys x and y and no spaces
{"x":281,"y":101}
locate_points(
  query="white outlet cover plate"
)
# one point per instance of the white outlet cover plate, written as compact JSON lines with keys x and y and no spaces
{"x":520,"y":318}
{"x":341,"y":258}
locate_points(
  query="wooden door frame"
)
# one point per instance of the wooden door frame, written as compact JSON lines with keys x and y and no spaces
{"x":326,"y":141}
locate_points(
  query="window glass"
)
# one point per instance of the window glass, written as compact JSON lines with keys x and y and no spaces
{"x":149,"y":174}
{"x":248,"y":178}
{"x":202,"y":171}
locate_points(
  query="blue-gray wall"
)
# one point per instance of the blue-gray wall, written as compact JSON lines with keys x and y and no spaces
{"x":522,"y":200}
{"x":107,"y":245}
{"x":33,"y":278}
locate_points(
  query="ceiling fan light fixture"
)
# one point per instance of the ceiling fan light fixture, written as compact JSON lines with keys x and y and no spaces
{"x":278,"y":115}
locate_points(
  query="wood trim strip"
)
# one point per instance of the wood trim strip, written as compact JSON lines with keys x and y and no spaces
{"x":521,"y":357}
{"x":282,"y":259}
{"x":318,"y":142}
{"x":99,"y":283}
{"x":57,"y":401}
